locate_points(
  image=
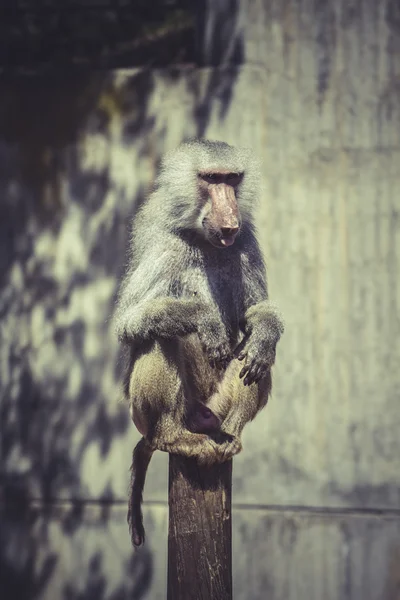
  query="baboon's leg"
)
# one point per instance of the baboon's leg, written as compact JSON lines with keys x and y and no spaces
{"x":172,"y":436}
{"x":236,"y":405}
{"x":161,"y":400}
{"x":167,"y":432}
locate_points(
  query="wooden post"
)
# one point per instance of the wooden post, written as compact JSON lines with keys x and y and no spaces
{"x":200,"y":531}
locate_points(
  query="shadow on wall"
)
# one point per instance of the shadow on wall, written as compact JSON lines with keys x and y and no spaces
{"x":31,"y":568}
{"x":69,"y":186}
{"x":63,"y":232}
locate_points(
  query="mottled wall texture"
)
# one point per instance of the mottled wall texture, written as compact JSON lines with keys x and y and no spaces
{"x":314,"y":88}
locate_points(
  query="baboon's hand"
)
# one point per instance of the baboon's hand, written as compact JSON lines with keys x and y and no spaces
{"x":214,"y":341}
{"x":257,"y":350}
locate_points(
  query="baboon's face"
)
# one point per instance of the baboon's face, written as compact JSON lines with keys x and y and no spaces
{"x":219,"y":216}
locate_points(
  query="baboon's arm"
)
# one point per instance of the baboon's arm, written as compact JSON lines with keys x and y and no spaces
{"x":147,"y":308}
{"x":166,"y":318}
{"x":262,"y":323}
{"x":159,"y":318}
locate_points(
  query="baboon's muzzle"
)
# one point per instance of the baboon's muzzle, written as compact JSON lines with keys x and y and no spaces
{"x":225,"y":216}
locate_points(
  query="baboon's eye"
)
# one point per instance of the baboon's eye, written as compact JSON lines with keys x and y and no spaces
{"x":209,"y":177}
{"x":234,"y":178}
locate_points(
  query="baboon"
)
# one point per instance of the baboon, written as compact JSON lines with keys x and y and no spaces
{"x":194,"y":312}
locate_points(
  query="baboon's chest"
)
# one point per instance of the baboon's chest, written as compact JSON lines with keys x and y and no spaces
{"x":217,"y":287}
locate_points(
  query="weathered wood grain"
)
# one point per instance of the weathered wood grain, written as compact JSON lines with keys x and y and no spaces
{"x":200,"y":531}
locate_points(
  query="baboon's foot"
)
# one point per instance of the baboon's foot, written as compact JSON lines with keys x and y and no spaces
{"x":220,"y":448}
{"x":209,"y":453}
{"x":229,"y":448}
{"x":191,"y":445}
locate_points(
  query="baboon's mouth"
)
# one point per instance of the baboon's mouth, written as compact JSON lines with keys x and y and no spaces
{"x":227,"y":240}
{"x":223,"y":241}
{"x":219,"y":240}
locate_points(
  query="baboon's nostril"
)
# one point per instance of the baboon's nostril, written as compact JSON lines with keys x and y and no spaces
{"x":228,"y":231}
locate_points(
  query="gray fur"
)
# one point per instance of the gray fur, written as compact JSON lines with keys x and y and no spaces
{"x":196,"y":318}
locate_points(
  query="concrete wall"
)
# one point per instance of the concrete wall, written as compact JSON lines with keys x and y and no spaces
{"x":315,"y":90}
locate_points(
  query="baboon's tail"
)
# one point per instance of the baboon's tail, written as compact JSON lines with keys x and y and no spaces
{"x":140,"y":461}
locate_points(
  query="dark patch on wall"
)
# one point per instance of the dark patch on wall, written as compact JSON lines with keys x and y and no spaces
{"x":25,"y":533}
{"x":368,"y":495}
{"x":326,"y":46}
{"x":39,"y":118}
{"x":393,"y":15}
{"x":38,"y":36}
